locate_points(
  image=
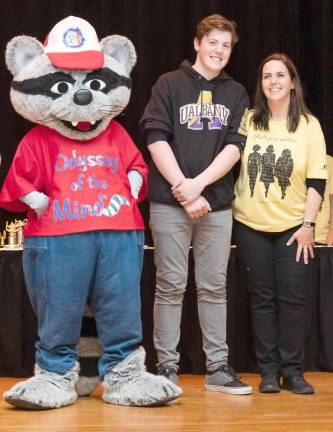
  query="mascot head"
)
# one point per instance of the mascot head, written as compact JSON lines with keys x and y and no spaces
{"x":73,"y":83}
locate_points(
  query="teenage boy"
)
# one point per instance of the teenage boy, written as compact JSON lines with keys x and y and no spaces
{"x":193,"y":126}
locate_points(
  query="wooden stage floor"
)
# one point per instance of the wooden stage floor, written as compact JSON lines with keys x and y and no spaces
{"x":196,"y":411}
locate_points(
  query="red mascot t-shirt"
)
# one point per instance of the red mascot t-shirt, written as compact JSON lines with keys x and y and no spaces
{"x":86,"y":181}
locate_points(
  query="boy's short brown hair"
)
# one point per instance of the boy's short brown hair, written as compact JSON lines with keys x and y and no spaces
{"x":217,"y":22}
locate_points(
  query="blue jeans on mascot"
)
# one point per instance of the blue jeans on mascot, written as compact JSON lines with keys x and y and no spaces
{"x":61,"y":272}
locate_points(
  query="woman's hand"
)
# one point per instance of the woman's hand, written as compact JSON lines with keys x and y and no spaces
{"x":305,"y":239}
{"x":188,"y":190}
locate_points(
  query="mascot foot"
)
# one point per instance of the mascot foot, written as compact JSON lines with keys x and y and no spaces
{"x":45,"y":390}
{"x":129,"y":384}
{"x":86,"y":385}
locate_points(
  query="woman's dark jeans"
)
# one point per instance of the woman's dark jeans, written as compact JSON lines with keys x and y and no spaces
{"x":278,"y":288}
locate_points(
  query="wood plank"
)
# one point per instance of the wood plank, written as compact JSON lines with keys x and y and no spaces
{"x":197,"y":411}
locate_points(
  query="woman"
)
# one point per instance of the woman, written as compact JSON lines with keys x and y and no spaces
{"x":275,"y":218}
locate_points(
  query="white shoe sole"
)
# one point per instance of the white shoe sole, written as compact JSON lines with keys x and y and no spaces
{"x":235,"y":391}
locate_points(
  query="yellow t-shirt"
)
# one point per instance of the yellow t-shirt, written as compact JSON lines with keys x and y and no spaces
{"x":324,"y":216}
{"x":271,"y":190}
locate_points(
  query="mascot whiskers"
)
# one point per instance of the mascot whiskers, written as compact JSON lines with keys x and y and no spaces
{"x":80,"y":177}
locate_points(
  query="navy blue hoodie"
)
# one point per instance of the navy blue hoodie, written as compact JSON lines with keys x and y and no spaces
{"x":197,"y":118}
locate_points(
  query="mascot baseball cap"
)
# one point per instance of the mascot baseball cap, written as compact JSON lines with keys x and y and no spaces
{"x":73,"y":44}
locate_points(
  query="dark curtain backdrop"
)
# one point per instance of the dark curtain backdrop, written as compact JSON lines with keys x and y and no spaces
{"x":162,"y":32}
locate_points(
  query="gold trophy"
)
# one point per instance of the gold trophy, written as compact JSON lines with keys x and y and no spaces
{"x":12,"y":230}
{"x":2,"y":239}
{"x":20,"y":224}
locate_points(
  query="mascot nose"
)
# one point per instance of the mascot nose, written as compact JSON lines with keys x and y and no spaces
{"x":82,"y":97}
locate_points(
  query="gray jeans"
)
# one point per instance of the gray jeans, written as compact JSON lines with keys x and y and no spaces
{"x":173,"y":233}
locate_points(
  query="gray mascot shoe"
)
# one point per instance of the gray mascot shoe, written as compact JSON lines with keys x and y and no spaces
{"x":45,"y":390}
{"x":129,"y":384}
{"x":86,"y":385}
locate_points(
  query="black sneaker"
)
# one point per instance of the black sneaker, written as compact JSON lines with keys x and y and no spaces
{"x":297,"y":384}
{"x":168,"y":372}
{"x":270,"y":384}
{"x":224,"y":379}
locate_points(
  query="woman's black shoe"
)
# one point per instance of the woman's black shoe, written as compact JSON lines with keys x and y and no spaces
{"x":269,"y":384}
{"x":297,"y":384}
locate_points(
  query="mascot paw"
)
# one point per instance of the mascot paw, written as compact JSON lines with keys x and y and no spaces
{"x":129,"y":384}
{"x":86,"y":385}
{"x":46,"y":390}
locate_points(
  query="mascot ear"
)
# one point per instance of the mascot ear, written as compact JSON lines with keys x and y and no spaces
{"x":121,"y":49}
{"x":20,"y":51}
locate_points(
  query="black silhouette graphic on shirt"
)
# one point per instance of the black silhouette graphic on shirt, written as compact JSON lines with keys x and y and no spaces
{"x":254,"y":166}
{"x":268,"y":169}
{"x":283,"y":169}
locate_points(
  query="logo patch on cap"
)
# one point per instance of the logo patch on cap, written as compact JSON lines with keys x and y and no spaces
{"x":73,"y":38}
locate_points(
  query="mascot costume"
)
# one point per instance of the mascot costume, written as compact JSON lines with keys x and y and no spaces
{"x":80,"y":177}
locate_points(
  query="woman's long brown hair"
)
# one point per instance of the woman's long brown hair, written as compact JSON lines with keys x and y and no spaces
{"x":297,"y":105}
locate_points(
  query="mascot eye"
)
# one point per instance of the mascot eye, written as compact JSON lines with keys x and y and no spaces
{"x":95,"y":84}
{"x":61,"y":87}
